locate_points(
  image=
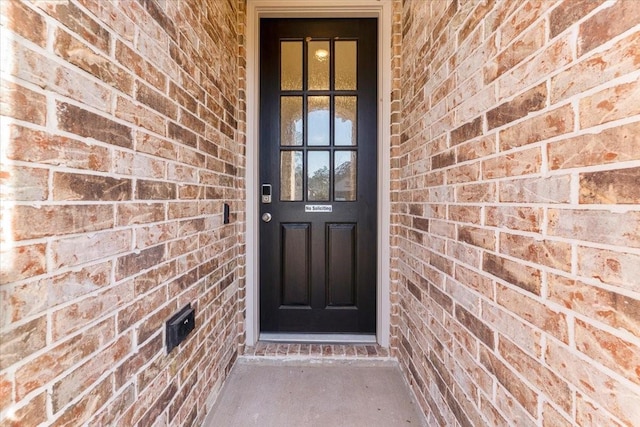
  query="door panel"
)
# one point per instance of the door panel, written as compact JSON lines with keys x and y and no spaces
{"x":318,"y":124}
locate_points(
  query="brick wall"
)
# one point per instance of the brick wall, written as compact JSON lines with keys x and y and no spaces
{"x":122,"y":136}
{"x":516,"y":211}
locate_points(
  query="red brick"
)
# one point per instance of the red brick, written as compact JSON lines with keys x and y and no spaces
{"x":155,"y":190}
{"x":46,"y":367}
{"x":475,"y":193}
{"x":136,"y":311}
{"x":140,"y":115}
{"x":606,"y":24}
{"x":534,"y":312}
{"x":25,"y":22}
{"x":20,"y":342}
{"x":614,"y":352}
{"x":512,"y":55}
{"x":82,"y":378}
{"x":532,"y":100}
{"x":6,"y":391}
{"x":610,"y":104}
{"x":467,"y":131}
{"x":84,"y":409}
{"x":110,"y":413}
{"x":22,"y":262}
{"x":478,"y":328}
{"x":589,"y":414}
{"x":20,"y":103}
{"x":522,"y":19}
{"x":24,"y":183}
{"x":623,"y":144}
{"x":596,"y":226}
{"x":553,"y":418}
{"x":139,"y":213}
{"x":507,"y":377}
{"x":569,"y":12}
{"x":138,"y":165}
{"x":515,"y":218}
{"x":82,"y":249}
{"x":611,"y":187}
{"x":98,"y":64}
{"x":76,"y":20}
{"x":513,"y":272}
{"x":40,"y":147}
{"x":71,"y":186}
{"x":613,"y":395}
{"x":555,"y":56}
{"x":85,"y":123}
{"x":30,"y":223}
{"x":128,"y":265}
{"x":475,"y":281}
{"x":545,"y":380}
{"x":614,"y":268}
{"x":544,"y":252}
{"x":73,"y":317}
{"x":155,"y":323}
{"x":156,"y":100}
{"x":622,"y":58}
{"x":555,"y":189}
{"x":538,"y":128}
{"x":142,"y":68}
{"x":33,"y":413}
{"x":478,"y":14}
{"x":476,"y":149}
{"x":512,"y":164}
{"x":463,"y":213}
{"x":525,"y":336}
{"x":477,"y":236}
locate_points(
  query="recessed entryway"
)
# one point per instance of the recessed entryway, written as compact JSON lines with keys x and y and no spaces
{"x":378,"y":281}
{"x":303,"y":393}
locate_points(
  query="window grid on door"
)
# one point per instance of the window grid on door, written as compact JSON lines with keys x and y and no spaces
{"x":318,"y":120}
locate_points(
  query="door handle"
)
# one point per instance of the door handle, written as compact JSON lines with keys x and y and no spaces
{"x":266,"y":217}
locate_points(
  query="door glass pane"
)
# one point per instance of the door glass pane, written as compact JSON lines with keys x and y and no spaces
{"x":318,"y":61}
{"x":291,"y":65}
{"x":346,"y":56}
{"x":291,"y":175}
{"x":291,"y":120}
{"x":318,"y":176}
{"x":345,"y":177}
{"x":345,"y":121}
{"x":318,"y":120}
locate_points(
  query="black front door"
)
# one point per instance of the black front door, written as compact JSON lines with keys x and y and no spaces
{"x":318,"y":175}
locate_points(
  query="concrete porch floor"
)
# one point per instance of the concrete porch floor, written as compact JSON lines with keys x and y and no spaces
{"x":327,"y":392}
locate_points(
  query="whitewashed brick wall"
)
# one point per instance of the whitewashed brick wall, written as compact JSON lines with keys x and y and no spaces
{"x":516,"y":210}
{"x":121,"y":140}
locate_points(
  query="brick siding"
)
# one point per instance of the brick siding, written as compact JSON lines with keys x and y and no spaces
{"x":122,"y":137}
{"x":516,"y":210}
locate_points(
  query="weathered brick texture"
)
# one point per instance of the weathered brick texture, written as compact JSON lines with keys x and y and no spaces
{"x":122,"y":136}
{"x":516,"y":210}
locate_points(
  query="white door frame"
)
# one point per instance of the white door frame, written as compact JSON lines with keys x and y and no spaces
{"x":256,"y":9}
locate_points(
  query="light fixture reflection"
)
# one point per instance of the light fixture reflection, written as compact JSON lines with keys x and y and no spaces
{"x":321,"y":54}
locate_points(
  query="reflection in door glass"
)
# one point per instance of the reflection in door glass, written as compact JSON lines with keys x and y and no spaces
{"x":291,"y":120}
{"x":318,"y":176}
{"x":318,"y":62}
{"x":318,"y":120}
{"x":291,"y":66}
{"x":346,"y":55}
{"x":345,"y":121}
{"x":290,"y":176}
{"x":345,"y":175}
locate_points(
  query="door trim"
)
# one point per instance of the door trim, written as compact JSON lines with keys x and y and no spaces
{"x":256,"y":9}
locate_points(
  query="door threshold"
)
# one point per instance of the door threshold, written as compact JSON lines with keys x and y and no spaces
{"x":318,"y":338}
